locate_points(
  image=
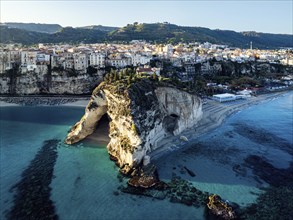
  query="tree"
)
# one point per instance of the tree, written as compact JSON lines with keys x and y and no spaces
{"x":129,"y":80}
{"x":154,"y":76}
{"x":115,"y":76}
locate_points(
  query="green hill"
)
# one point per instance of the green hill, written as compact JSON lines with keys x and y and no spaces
{"x":77,"y":35}
{"x":65,"y":35}
{"x":155,"y":32}
{"x":14,"y":35}
{"x":43,"y":28}
{"x":165,"y":32}
{"x":100,"y":28}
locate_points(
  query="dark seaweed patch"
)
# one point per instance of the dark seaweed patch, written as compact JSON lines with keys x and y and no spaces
{"x":262,"y":136}
{"x":276,"y":201}
{"x":269,"y":173}
{"x":32,"y":199}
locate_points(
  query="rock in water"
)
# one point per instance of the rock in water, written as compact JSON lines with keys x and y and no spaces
{"x":190,"y":172}
{"x":147,"y":178}
{"x":183,"y":138}
{"x":220,"y":208}
{"x":141,"y":114}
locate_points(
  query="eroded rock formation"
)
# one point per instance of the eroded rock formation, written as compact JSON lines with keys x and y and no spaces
{"x":141,"y":115}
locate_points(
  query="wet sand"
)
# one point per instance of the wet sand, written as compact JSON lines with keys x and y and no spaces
{"x":79,"y":103}
{"x":6,"y":104}
{"x":44,"y":101}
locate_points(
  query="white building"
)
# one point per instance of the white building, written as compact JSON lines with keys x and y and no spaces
{"x":138,"y":59}
{"x":80,"y":61}
{"x":68,"y":62}
{"x":245,"y":92}
{"x":226,"y":97}
{"x":28,"y":58}
{"x":287,"y":61}
{"x":43,"y":58}
{"x":119,"y":63}
{"x":28,"y":61}
{"x":97,"y":59}
{"x":168,"y":49}
{"x":118,"y":60}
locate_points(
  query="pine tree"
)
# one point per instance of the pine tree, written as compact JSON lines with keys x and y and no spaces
{"x":155,"y":76}
{"x":129,"y":80}
{"x":115,"y":76}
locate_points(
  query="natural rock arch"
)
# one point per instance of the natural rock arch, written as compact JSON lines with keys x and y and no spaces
{"x":141,"y":117}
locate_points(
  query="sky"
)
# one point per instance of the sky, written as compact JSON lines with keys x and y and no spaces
{"x":269,"y":16}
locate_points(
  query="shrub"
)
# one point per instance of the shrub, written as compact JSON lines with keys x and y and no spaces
{"x":133,"y":128}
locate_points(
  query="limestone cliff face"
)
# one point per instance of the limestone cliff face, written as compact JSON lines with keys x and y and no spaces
{"x":40,"y":82}
{"x":140,"y":117}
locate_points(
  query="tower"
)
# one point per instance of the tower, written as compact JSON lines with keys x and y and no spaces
{"x":250,"y":45}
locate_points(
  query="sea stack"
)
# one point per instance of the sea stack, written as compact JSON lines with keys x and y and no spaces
{"x":141,"y":115}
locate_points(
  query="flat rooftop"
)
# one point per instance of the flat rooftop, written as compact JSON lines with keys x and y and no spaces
{"x":225,"y":95}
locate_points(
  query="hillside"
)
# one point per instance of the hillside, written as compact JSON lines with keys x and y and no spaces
{"x":155,"y":32}
{"x":43,"y":28}
{"x":164,"y":32}
{"x":65,"y":35}
{"x":100,"y":28}
{"x":14,"y":35}
{"x":76,"y":35}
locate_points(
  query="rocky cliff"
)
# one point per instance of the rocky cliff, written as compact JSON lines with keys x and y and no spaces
{"x":141,"y":115}
{"x":251,"y":68}
{"x":41,"y":81}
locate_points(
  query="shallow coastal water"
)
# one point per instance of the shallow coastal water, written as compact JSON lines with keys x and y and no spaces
{"x":224,"y":160}
{"x":84,"y":184}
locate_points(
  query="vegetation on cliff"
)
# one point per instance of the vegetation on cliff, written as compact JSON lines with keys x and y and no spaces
{"x":127,"y":79}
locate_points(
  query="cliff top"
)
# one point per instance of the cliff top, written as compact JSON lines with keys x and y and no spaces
{"x":128,"y":81}
{"x":135,"y":96}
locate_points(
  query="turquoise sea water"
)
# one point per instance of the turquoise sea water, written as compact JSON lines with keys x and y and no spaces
{"x":220,"y":158}
{"x":84,"y":183}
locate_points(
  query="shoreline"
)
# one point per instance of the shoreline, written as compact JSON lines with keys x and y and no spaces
{"x":44,"y":101}
{"x":214,"y":115}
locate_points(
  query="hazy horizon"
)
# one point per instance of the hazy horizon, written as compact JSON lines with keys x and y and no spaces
{"x":261,"y":16}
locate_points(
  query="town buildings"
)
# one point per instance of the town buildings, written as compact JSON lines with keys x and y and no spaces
{"x":136,"y":54}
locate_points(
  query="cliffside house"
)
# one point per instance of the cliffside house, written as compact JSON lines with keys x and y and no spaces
{"x":97,"y":59}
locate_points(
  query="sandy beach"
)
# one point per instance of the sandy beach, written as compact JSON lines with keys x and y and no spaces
{"x":79,"y":103}
{"x":214,"y":114}
{"x":6,"y":104}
